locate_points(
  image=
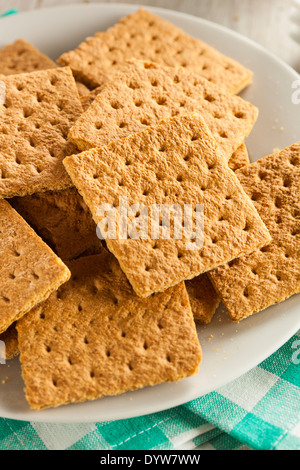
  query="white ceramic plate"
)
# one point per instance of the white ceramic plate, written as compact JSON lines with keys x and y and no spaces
{"x":229,"y":349}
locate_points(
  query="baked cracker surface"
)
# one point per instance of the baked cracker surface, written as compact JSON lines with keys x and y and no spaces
{"x":239,"y":158}
{"x":175,"y":162}
{"x":29,"y":270}
{"x":39,"y":109}
{"x":143,"y":93}
{"x":62,"y":219}
{"x":252,"y":283}
{"x":23,"y":57}
{"x":95,"y":337}
{"x":146,"y":36}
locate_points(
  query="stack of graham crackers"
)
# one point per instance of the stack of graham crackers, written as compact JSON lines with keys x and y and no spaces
{"x":147,"y":113}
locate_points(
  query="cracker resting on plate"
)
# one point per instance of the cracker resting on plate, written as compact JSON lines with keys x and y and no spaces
{"x":29,"y":270}
{"x":146,"y":36}
{"x":175,"y":162}
{"x":23,"y":57}
{"x":270,"y":275}
{"x":95,"y":337}
{"x":62,"y":219}
{"x":39,"y":109}
{"x":143,"y":93}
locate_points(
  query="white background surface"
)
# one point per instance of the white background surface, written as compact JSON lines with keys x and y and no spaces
{"x":229,"y":349}
{"x":264,"y":21}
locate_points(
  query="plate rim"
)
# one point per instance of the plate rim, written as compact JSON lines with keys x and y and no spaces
{"x":174,"y":13}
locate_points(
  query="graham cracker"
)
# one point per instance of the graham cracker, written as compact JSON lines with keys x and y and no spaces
{"x":40,"y":108}
{"x":175,"y":162}
{"x":29,"y":270}
{"x":95,"y":338}
{"x":239,"y":158}
{"x":22,"y":57}
{"x":62,"y":219}
{"x":270,"y":275}
{"x":203,"y":298}
{"x":143,"y":93}
{"x":145,"y":36}
{"x":10,"y":339}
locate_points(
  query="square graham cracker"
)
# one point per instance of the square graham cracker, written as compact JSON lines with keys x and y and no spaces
{"x":95,"y":337}
{"x":175,"y":162}
{"x":63,"y":221}
{"x":23,"y":57}
{"x":252,"y":283}
{"x":40,"y":108}
{"x":143,"y":93}
{"x":145,"y":36}
{"x":10,"y":339}
{"x":29,"y":270}
{"x":203,"y":298}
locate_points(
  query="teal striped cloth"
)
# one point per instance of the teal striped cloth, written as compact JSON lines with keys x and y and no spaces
{"x":260,"y":410}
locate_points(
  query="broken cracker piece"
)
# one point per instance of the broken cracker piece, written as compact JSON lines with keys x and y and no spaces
{"x":252,"y":283}
{"x":146,"y":36}
{"x":29,"y":270}
{"x":239,"y":158}
{"x":39,"y":109}
{"x":143,"y":93}
{"x":175,"y":162}
{"x":95,"y":337}
{"x":203,"y":298}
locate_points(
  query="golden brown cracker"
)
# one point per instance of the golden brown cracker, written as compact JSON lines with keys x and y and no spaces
{"x":145,"y":36}
{"x":239,"y":158}
{"x":22,"y":57}
{"x":39,"y":109}
{"x":29,"y":270}
{"x":62,"y":219}
{"x":203,"y":298}
{"x":95,"y":337}
{"x":143,"y":93}
{"x":270,"y":275}
{"x":175,"y":162}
